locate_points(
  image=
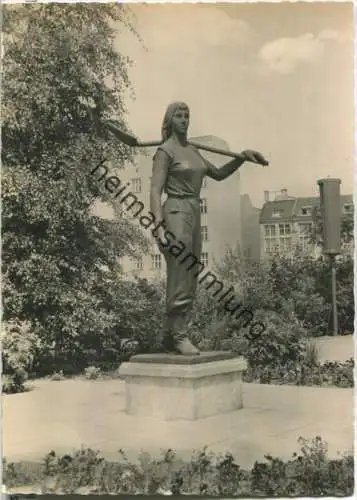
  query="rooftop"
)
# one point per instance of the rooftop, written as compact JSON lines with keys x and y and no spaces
{"x":288,"y":208}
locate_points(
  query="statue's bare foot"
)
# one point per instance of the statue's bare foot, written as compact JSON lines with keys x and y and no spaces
{"x":186,"y":348}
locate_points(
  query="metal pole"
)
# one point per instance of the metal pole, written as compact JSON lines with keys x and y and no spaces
{"x":334,"y":296}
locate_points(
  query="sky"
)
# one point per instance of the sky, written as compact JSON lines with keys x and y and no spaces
{"x":277,"y":78}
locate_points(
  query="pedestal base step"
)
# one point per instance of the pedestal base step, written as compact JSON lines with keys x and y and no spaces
{"x":175,"y":387}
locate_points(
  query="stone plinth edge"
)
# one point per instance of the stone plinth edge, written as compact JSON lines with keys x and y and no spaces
{"x":164,"y":370}
{"x":179,"y":359}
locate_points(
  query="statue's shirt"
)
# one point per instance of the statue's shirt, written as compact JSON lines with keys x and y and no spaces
{"x":186,"y":170}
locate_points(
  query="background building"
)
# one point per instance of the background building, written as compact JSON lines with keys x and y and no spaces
{"x":286,"y":223}
{"x":250,"y":217}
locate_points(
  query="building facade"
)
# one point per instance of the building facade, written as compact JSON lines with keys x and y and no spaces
{"x":286,"y":223}
{"x":250,"y":215}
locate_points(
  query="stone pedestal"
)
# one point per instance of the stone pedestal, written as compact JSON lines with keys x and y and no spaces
{"x":175,"y":387}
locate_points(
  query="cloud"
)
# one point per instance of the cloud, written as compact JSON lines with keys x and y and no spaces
{"x":331,"y":35}
{"x":188,"y":26}
{"x":285,"y":54}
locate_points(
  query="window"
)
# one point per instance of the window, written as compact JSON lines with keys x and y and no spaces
{"x":285,"y":244}
{"x":156,"y":261}
{"x":270,"y":240}
{"x":203,"y":202}
{"x":276,"y":212}
{"x":138,"y":263}
{"x":204,"y":182}
{"x":269,"y":230}
{"x":204,"y":258}
{"x":306,"y":210}
{"x":285,"y":237}
{"x":204,"y":233}
{"x":271,"y":245}
{"x":305,"y":228}
{"x":305,"y":231}
{"x":136,"y":185}
{"x":284,"y":229}
{"x":131,"y":205}
{"x":348,"y":209}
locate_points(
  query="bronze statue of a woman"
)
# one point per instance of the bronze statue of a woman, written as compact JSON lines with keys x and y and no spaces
{"x":178,"y":170}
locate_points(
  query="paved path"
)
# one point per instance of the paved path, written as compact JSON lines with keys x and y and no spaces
{"x":339,"y":348}
{"x":73,"y":413}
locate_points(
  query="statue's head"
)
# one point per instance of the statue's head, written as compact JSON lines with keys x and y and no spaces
{"x":176,"y":119}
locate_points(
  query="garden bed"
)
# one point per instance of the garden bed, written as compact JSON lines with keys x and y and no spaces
{"x":328,"y":374}
{"x":308,"y":473}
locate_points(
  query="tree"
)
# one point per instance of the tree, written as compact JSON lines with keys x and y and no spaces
{"x":344,"y":291}
{"x":347,"y":224}
{"x":61,"y":79}
{"x":344,"y":272}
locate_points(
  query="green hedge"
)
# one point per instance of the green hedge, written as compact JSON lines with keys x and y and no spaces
{"x":308,"y":473}
{"x":328,"y":374}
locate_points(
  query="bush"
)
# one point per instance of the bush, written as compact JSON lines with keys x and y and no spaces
{"x":92,"y":373}
{"x":308,"y":473}
{"x":128,"y":318}
{"x":299,"y":285}
{"x":145,"y":314}
{"x":215,"y":336}
{"x":295,"y":289}
{"x":281,"y":344}
{"x":282,"y":354}
{"x":328,"y":374}
{"x":12,"y":384}
{"x":137,"y":307}
{"x":58,"y":376}
{"x":19,"y":347}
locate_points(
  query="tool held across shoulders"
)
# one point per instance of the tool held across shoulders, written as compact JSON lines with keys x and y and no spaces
{"x":132,"y":141}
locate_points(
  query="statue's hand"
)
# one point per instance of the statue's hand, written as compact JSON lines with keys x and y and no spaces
{"x":254,"y":157}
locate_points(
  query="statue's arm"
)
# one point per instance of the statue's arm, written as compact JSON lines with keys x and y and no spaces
{"x":159,"y":175}
{"x":219,"y":174}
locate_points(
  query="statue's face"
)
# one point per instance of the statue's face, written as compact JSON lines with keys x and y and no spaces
{"x":181,"y":120}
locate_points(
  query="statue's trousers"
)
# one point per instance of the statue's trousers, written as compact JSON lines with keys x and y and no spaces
{"x":183,"y":254}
